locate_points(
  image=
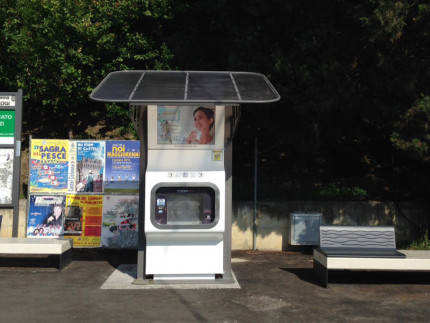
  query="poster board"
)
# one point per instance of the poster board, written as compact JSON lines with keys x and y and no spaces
{"x":10,"y":153}
{"x":58,"y":174}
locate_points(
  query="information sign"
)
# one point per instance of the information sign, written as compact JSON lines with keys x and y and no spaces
{"x":10,"y":153}
{"x":7,"y":100}
{"x":7,"y":126}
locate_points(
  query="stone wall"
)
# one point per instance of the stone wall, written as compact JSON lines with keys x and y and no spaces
{"x":409,"y":219}
{"x":7,"y":220}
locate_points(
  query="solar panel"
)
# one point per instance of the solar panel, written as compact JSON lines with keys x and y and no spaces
{"x":185,"y":87}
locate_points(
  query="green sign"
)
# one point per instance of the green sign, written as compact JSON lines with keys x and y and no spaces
{"x":7,"y":127}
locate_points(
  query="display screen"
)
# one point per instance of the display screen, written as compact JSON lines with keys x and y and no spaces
{"x":185,"y":205}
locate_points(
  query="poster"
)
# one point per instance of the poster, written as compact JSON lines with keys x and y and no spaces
{"x":7,"y":125}
{"x":90,"y":166}
{"x":6,"y":175}
{"x":72,"y":167}
{"x":46,"y":216}
{"x":120,"y":218}
{"x":83,"y":219}
{"x":122,"y":166}
{"x":185,"y":125}
{"x":49,"y":168}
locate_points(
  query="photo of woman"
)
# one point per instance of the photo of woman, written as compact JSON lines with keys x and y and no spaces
{"x":204,"y":123}
{"x":186,"y":125}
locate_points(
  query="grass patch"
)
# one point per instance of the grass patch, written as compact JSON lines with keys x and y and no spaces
{"x":421,"y":244}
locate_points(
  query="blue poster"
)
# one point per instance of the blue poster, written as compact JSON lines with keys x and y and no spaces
{"x":122,"y":166}
{"x":46,"y":216}
{"x":90,"y":157}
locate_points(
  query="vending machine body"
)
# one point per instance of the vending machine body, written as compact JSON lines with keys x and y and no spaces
{"x":187,"y":121}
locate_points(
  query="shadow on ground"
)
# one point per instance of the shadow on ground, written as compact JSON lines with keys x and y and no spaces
{"x":114,"y":257}
{"x":363,"y":277}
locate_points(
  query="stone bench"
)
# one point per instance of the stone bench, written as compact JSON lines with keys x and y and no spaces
{"x":363,"y":248}
{"x":60,"y":249}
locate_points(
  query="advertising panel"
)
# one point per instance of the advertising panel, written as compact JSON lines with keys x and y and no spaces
{"x":119,"y":227}
{"x":185,"y":125}
{"x":46,"y":216}
{"x":6,"y":176}
{"x":122,"y":166}
{"x":66,"y":185}
{"x":49,"y":168}
{"x":90,"y":156}
{"x":83,"y":220}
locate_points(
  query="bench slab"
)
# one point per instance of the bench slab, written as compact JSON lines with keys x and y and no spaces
{"x":40,"y":246}
{"x":364,"y":248}
{"x":62,"y":248}
{"x":415,"y":260}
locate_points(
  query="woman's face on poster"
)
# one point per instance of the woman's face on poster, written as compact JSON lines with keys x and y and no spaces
{"x":201,"y":121}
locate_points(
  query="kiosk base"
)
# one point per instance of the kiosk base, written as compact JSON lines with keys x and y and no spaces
{"x":183,"y":283}
{"x":184,"y":256}
{"x":185,"y":277}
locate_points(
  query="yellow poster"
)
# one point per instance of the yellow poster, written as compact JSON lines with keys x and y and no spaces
{"x":83,"y":220}
{"x":49,"y":165}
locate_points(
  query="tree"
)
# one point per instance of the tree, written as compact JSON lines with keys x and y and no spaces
{"x":412,"y":131}
{"x":347,"y":73}
{"x":58,"y":50}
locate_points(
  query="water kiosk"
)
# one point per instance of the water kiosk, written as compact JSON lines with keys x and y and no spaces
{"x":187,"y":120}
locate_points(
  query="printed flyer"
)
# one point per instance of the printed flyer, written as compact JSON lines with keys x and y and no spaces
{"x":6,"y":176}
{"x":83,"y":220}
{"x":49,"y":168}
{"x":185,"y":125}
{"x":120,"y":218}
{"x":90,"y":157}
{"x":46,"y":216}
{"x":72,"y":167}
{"x":122,"y":166}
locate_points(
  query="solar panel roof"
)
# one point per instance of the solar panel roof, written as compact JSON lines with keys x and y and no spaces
{"x":185,"y":87}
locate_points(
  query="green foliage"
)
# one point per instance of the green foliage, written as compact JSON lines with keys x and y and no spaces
{"x":421,"y":244}
{"x":412,"y":131}
{"x":353,"y":77}
{"x":388,"y":20}
{"x":334,"y":191}
{"x":347,"y":72}
{"x":57,"y":51}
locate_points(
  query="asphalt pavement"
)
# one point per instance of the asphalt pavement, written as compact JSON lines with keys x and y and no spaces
{"x":270,"y":287}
